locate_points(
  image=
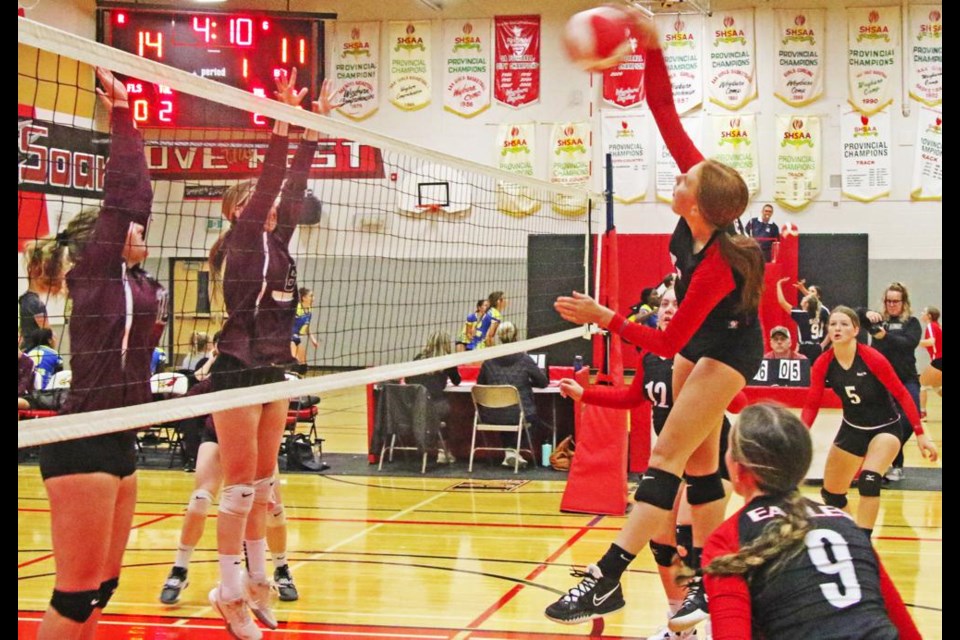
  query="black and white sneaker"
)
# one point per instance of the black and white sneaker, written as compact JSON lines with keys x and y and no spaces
{"x":283,"y":582}
{"x":175,"y":583}
{"x":594,"y":597}
{"x":694,"y":610}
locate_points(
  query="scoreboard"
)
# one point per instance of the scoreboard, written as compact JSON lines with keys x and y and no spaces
{"x":243,"y":49}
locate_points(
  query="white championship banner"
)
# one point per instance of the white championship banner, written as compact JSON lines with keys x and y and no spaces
{"x":799,"y":55}
{"x":866,"y":165}
{"x":927,"y":183}
{"x":926,"y":54}
{"x":466,"y":72}
{"x":798,"y":173}
{"x":570,"y":161}
{"x":681,"y":38}
{"x":873,"y":37}
{"x":516,"y":153}
{"x":732,"y":140}
{"x":625,"y":137}
{"x":666,"y":168}
{"x":409,"y":51}
{"x":356,"y":68}
{"x":731,"y":56}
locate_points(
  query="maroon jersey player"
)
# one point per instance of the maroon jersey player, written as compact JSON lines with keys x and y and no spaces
{"x":259,"y":281}
{"x":118,"y":314}
{"x":869,"y":435}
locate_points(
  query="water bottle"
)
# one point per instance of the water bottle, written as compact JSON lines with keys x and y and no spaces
{"x":577,"y":363}
{"x":545,"y":450}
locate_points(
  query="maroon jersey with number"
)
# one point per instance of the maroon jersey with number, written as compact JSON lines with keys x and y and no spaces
{"x":260,"y":277}
{"x":118,"y":312}
{"x":866,"y":390}
{"x":834,"y":588}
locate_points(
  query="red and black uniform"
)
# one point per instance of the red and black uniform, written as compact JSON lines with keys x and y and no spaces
{"x":653,"y":383}
{"x":867,"y":391}
{"x":707,"y":324}
{"x":834,"y":588}
{"x":935,"y":332}
{"x":118,"y":315}
{"x":260,"y":276}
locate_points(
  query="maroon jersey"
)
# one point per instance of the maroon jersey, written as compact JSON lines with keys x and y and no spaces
{"x":260,"y":277}
{"x":118,"y":312}
{"x":24,"y":375}
{"x":867,"y":390}
{"x":834,"y":588}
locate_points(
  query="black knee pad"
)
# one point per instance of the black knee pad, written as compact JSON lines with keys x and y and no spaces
{"x":869,"y":484}
{"x":663,"y":554}
{"x":685,"y":537}
{"x":107,"y":587}
{"x":704,"y":489}
{"x":658,"y":488}
{"x":838,"y":500}
{"x":75,"y":605}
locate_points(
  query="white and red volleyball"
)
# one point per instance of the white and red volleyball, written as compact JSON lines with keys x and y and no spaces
{"x":598,"y":38}
{"x":789,"y":229}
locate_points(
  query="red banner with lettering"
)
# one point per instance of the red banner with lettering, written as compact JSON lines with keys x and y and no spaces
{"x":516,"y":81}
{"x":623,"y":83}
{"x":216,"y":160}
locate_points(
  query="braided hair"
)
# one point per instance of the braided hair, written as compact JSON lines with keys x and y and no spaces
{"x":775,"y":447}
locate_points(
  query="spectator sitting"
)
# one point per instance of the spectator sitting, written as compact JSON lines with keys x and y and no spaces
{"x":645,"y":311}
{"x":517,"y":370}
{"x":199,"y":350}
{"x":46,"y":360}
{"x":439,"y":344}
{"x":781,"y":346}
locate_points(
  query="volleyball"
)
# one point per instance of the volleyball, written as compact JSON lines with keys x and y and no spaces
{"x":598,"y":38}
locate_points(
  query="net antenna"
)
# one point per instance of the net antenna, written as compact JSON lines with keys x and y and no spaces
{"x":404,"y":228}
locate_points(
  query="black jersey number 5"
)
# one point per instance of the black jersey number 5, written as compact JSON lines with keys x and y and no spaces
{"x":830,"y":555}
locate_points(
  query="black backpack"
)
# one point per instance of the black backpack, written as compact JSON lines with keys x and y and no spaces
{"x":301,"y":455}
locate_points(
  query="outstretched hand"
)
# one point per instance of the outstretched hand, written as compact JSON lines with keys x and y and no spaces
{"x":324,"y":102}
{"x":582,"y":309}
{"x":114,"y":92}
{"x":287,"y":91}
{"x":572,"y":389}
{"x":927,"y":449}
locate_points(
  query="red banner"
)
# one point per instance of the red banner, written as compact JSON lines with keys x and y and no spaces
{"x":216,"y":160}
{"x":623,"y":84}
{"x":516,"y":79}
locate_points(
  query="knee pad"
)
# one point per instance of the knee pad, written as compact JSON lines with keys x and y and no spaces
{"x":658,"y":488}
{"x":838,"y":500}
{"x":263,"y":490}
{"x":200,"y":501}
{"x":75,"y":605}
{"x":663,"y":554}
{"x":704,"y":489}
{"x":869,"y":484}
{"x":107,"y":588}
{"x":277,"y":517}
{"x":236,"y":500}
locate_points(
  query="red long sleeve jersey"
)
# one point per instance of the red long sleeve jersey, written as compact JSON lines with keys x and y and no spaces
{"x":866,"y":390}
{"x":834,"y":588}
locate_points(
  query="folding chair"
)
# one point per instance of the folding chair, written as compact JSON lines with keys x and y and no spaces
{"x":498,"y":396}
{"x":405,"y":414}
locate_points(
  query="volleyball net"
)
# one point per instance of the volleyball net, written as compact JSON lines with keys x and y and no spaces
{"x":395,"y":242}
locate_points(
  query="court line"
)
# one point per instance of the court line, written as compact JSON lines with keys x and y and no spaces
{"x":540,"y":568}
{"x":50,"y":555}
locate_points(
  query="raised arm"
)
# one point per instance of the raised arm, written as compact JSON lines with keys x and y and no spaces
{"x":782,"y":299}
{"x":660,"y":99}
{"x":127,"y":195}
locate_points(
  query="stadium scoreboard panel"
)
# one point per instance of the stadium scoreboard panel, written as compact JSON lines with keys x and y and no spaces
{"x":244,"y":49}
